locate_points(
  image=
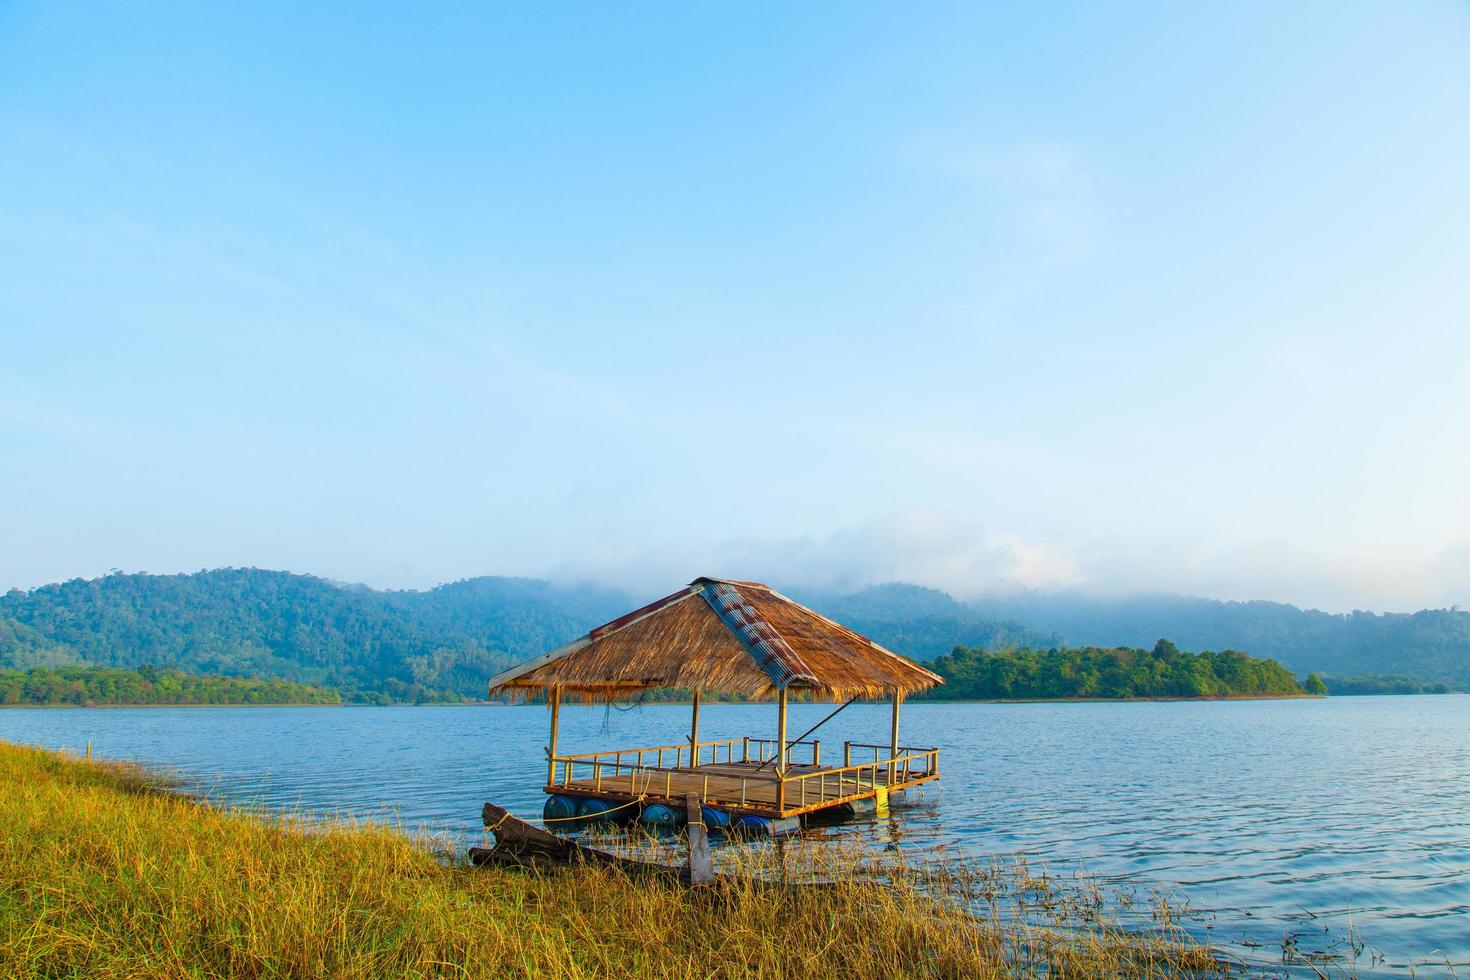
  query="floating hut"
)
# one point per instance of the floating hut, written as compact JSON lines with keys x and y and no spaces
{"x":717,"y":636}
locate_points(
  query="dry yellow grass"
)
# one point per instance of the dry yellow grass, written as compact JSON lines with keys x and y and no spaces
{"x":103,"y":875}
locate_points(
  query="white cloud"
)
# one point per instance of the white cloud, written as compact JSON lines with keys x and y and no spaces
{"x":930,"y":547}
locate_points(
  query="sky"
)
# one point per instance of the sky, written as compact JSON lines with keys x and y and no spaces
{"x":1115,"y":298}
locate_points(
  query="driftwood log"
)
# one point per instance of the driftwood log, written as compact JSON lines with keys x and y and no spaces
{"x":519,"y":844}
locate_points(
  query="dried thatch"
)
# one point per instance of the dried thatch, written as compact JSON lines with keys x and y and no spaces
{"x":715,"y":635}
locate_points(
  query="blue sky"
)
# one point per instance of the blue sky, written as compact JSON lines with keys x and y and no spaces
{"x":1056,"y":296}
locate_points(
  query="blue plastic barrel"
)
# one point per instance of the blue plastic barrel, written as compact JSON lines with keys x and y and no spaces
{"x":753,"y":826}
{"x":659,"y":815}
{"x":596,"y":810}
{"x":560,"y":808}
{"x":714,"y":819}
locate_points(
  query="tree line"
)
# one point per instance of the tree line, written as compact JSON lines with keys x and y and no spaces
{"x":87,"y":686}
{"x":1384,"y":684}
{"x":1110,"y":672}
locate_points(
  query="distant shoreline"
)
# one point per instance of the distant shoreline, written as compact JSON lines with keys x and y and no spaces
{"x":282,"y":704}
{"x":708,"y":704}
{"x":917,"y":701}
{"x":1211,"y":697}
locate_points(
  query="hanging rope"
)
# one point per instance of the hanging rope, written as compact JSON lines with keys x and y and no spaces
{"x":630,"y":706}
{"x":511,"y":816}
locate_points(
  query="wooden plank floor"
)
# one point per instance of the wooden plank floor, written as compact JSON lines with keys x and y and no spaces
{"x":720,"y":784}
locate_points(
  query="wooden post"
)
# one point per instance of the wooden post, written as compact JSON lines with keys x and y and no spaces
{"x":893,"y":740}
{"x":694,"y":733}
{"x":781,"y":752}
{"x":781,"y":748}
{"x":701,"y":872}
{"x":551,"y":749}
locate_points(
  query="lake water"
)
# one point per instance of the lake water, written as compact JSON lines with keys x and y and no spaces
{"x":1273,"y":817}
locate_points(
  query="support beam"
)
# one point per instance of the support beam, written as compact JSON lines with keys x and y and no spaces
{"x":781,"y":751}
{"x":893,"y":738}
{"x":694,"y":733}
{"x":555,"y":699}
{"x":781,"y":747}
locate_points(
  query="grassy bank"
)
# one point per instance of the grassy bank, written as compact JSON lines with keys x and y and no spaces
{"x":102,"y":874}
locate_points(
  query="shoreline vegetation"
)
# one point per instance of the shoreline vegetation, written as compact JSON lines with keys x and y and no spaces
{"x":105,"y":872}
{"x":1112,"y":673}
{"x":148,"y":686}
{"x":973,"y":676}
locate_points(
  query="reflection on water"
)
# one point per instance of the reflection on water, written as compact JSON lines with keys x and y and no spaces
{"x":1271,"y":817}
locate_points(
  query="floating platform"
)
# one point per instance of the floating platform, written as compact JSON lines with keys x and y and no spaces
{"x":737,"y":780}
{"x":741,"y":639}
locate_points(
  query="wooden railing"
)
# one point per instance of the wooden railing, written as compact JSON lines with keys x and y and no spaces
{"x":651,"y":771}
{"x":681,"y":756}
{"x":899,"y":770}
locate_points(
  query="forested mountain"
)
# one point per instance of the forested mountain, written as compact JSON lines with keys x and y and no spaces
{"x":388,"y":645}
{"x":1092,"y":672}
{"x":1432,"y":645}
{"x":250,"y":622}
{"x":447,"y":641}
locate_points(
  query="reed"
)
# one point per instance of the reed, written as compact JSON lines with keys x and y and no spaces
{"x":105,"y":873}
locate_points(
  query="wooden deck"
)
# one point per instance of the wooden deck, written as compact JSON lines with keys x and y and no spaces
{"x":739,"y":776}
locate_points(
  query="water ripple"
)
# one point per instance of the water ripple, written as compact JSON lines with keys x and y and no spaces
{"x":1273,"y":817}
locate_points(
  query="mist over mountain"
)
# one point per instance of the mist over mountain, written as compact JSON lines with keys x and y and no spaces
{"x":922,"y":623}
{"x":448,"y":641}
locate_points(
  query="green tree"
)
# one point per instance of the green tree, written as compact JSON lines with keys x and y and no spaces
{"x":1314,"y":685}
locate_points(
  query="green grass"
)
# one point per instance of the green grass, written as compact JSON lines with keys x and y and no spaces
{"x":105,"y":874}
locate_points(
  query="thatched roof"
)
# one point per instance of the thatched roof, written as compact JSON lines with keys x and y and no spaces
{"x":716,"y":635}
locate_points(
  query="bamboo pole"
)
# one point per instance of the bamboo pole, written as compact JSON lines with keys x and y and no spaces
{"x":551,"y":749}
{"x":694,"y":733}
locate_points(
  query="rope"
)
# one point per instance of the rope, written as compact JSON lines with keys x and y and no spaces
{"x":615,"y":809}
{"x":633,"y":705}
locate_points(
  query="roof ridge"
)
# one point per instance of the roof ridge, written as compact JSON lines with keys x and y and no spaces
{"x":731,"y":581}
{"x":765,"y":644}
